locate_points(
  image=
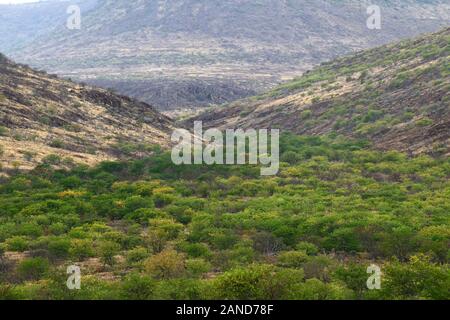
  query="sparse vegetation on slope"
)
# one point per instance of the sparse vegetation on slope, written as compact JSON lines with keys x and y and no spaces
{"x":41,"y":115}
{"x":395,"y":96}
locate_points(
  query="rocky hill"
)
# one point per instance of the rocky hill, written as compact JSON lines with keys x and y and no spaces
{"x":203,"y":49}
{"x":21,"y":24}
{"x":395,"y":96}
{"x":45,"y":118}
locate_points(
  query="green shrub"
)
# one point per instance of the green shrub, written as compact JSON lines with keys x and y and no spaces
{"x":53,"y":159}
{"x":59,"y":144}
{"x":17,"y":244}
{"x":31,"y":230}
{"x":314,"y":289}
{"x":8,"y":292}
{"x":290,"y":157}
{"x":107,"y":251}
{"x":424,"y":122}
{"x":196,"y":250}
{"x":3,"y":131}
{"x":306,"y":114}
{"x":33,"y":268}
{"x":307,"y":247}
{"x":256,"y":282}
{"x":372,"y":115}
{"x":166,"y":264}
{"x":418,"y":279}
{"x":292,"y":259}
{"x":138,"y":287}
{"x":59,"y":248}
{"x":197,"y":267}
{"x":57,"y":228}
{"x":81,"y":249}
{"x":137,"y":255}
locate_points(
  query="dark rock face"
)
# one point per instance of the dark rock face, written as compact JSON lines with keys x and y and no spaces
{"x":174,"y":94}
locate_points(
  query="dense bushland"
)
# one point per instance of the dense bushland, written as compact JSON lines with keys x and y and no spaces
{"x":147,"y":229}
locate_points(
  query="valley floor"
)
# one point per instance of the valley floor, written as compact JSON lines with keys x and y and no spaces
{"x":147,"y":229}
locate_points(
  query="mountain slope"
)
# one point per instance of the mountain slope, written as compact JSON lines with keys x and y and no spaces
{"x":159,"y":47}
{"x":396,"y":96}
{"x":42,"y":115}
{"x":21,"y":24}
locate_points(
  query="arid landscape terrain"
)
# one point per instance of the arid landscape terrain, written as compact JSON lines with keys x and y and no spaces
{"x":42,"y":115}
{"x":94,"y":205}
{"x":187,"y":53}
{"x":396,"y":96}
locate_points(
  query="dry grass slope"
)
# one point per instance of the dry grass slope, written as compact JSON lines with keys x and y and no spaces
{"x":396,"y":96}
{"x":41,"y":115}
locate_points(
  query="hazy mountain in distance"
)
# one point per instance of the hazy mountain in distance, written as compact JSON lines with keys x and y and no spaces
{"x":42,"y":115}
{"x":22,"y":24}
{"x":395,"y":96}
{"x":152,"y":49}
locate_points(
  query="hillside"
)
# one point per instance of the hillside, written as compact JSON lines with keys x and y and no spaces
{"x":140,"y":227}
{"x":206,"y":49}
{"x":22,"y":24}
{"x":395,"y":96}
{"x":41,"y":115}
{"x":147,"y":229}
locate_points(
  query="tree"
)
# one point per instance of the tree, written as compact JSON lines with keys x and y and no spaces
{"x":161,"y":231}
{"x":256,"y":282}
{"x":309,"y":248}
{"x":292,"y":259}
{"x":108,"y":250}
{"x":314,"y":289}
{"x":137,"y":287}
{"x":137,"y":255}
{"x":266,"y":243}
{"x":197,"y":267}
{"x":17,"y":244}
{"x":156,"y":240}
{"x":59,"y":248}
{"x":436,"y":240}
{"x":401,"y":242}
{"x":33,"y":268}
{"x":354,"y":276}
{"x":166,"y":264}
{"x":196,"y":250}
{"x":319,"y":267}
{"x":142,"y":215}
{"x":81,"y":249}
{"x":419,"y":278}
